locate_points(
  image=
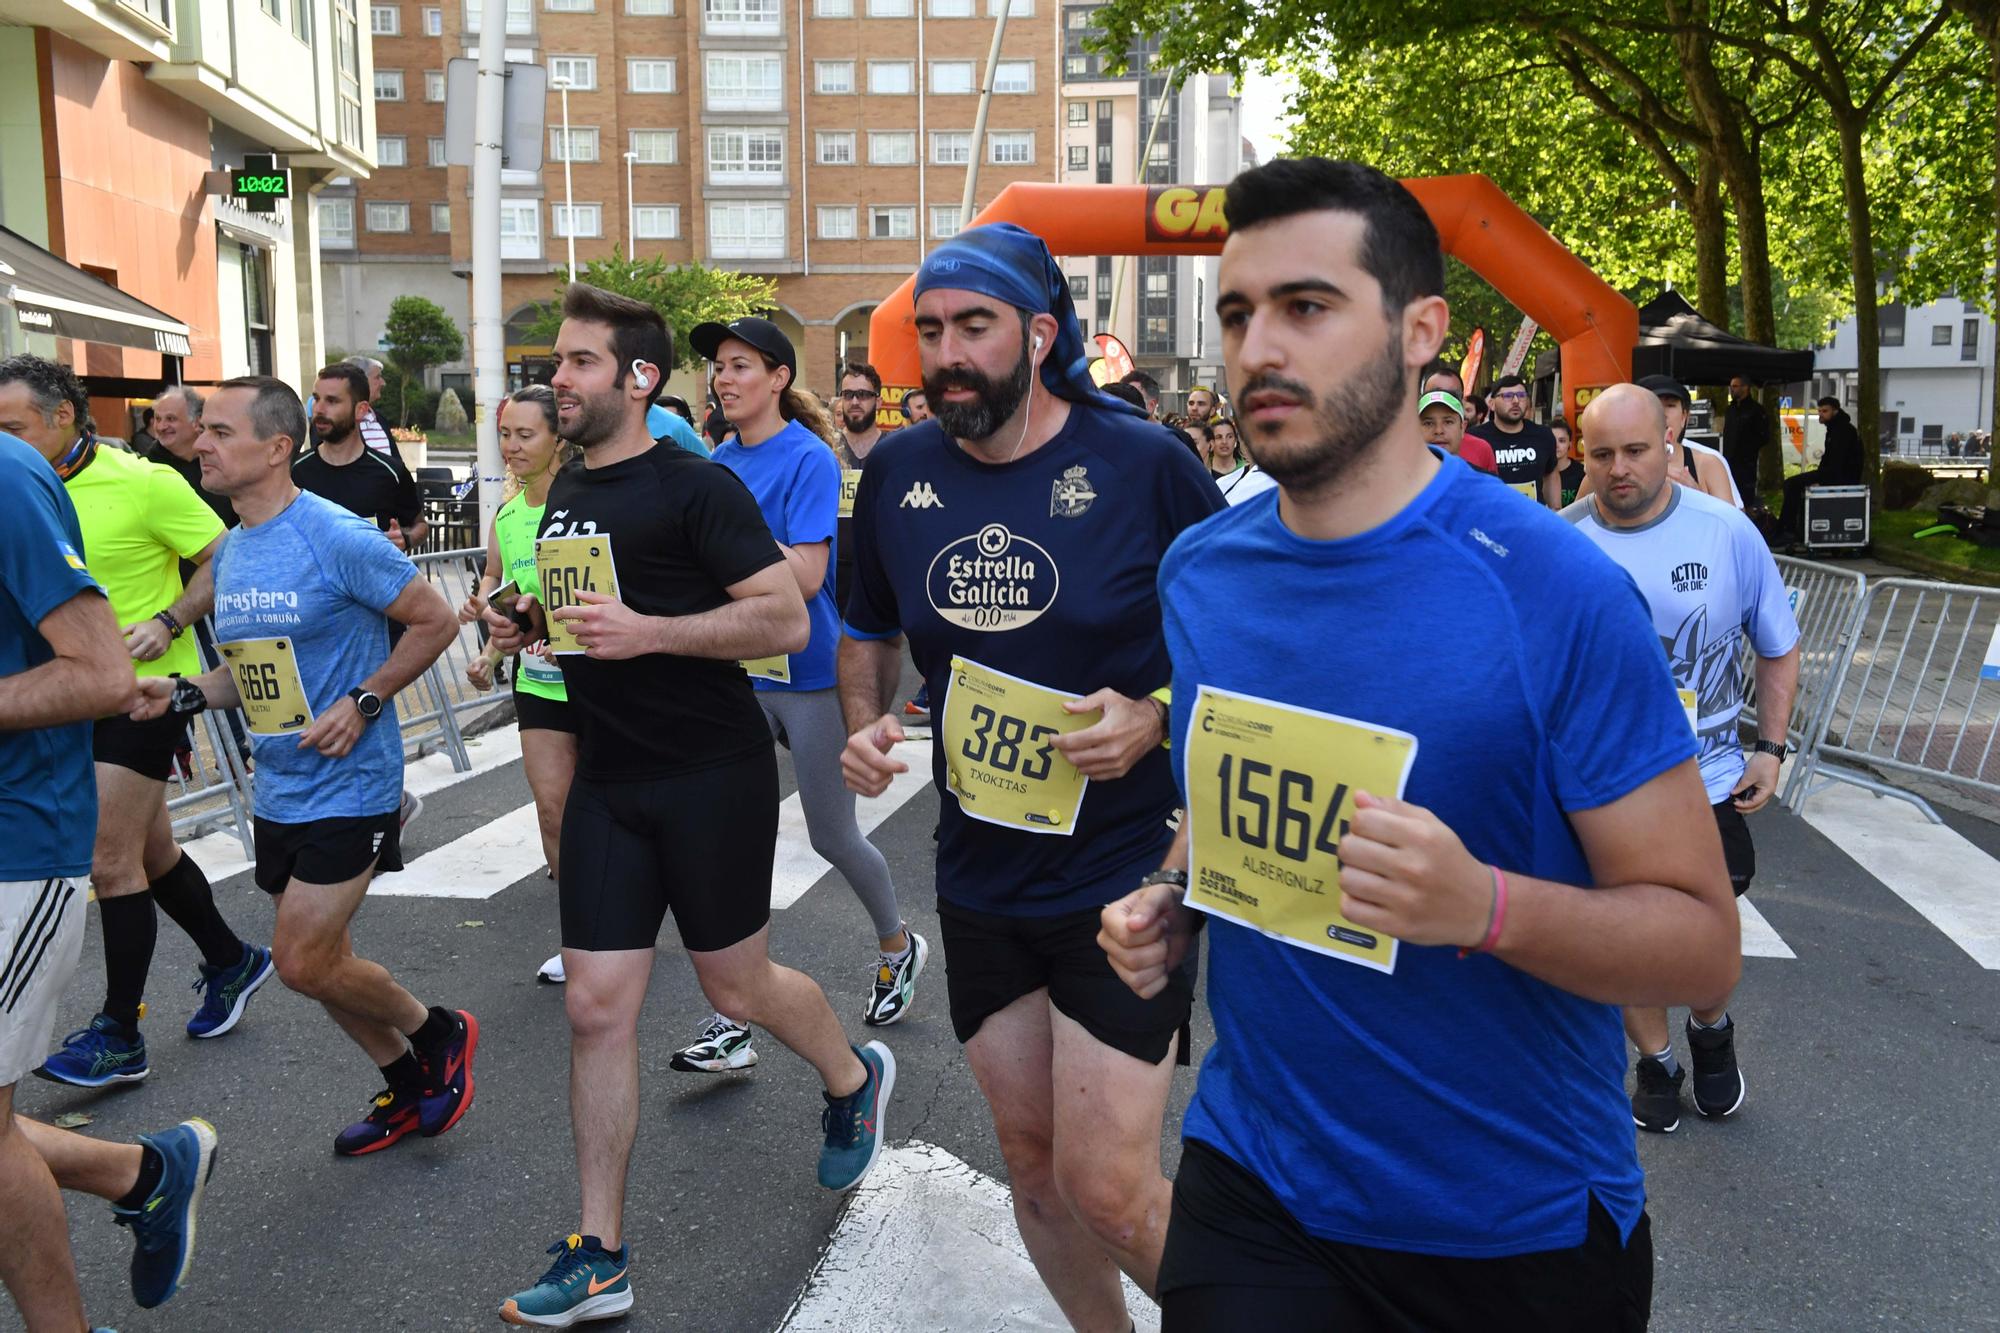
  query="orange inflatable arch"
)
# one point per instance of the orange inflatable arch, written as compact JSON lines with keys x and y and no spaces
{"x":1594,"y":325}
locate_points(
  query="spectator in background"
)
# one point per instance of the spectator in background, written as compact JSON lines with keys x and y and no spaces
{"x":1126,"y":393}
{"x":1444,"y":377}
{"x":717,"y":427}
{"x":1569,"y":460}
{"x":1840,"y":464}
{"x":1476,"y":413}
{"x":1149,"y":389}
{"x":663,"y":423}
{"x":1745,"y":430}
{"x":356,"y":476}
{"x":1704,"y":468}
{"x":678,"y":405}
{"x":854,"y":408}
{"x":916,"y":407}
{"x":176,"y":424}
{"x":1524,"y":451}
{"x":143,"y":439}
{"x":1444,"y":426}
{"x":373,"y":433}
{"x":1200,"y":404}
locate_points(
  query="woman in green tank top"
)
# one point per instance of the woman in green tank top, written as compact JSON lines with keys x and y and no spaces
{"x":533,"y":454}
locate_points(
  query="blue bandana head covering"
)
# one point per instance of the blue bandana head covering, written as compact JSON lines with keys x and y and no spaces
{"x":1011,"y":264}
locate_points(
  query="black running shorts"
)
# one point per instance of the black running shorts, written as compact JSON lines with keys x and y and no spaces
{"x":1738,"y":852}
{"x":1237,"y":1262}
{"x":537,"y":713}
{"x":147,"y":748}
{"x":327,"y":851}
{"x":991,"y":961}
{"x":697,"y":843}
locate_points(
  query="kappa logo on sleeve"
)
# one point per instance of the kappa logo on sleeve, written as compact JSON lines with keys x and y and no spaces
{"x":921,"y":495}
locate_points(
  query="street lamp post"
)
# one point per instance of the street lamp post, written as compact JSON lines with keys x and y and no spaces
{"x":569,"y":187}
{"x":631,"y":209}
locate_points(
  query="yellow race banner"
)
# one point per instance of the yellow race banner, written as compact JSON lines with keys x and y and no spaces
{"x":1270,"y":793}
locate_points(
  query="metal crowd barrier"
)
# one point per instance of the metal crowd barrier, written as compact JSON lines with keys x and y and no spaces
{"x":1827,"y":604}
{"x":456,"y":574}
{"x":1913,"y":696}
{"x":210,"y":788}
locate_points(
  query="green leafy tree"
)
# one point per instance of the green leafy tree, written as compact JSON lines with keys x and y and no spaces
{"x":420,"y":335}
{"x":684,"y":294}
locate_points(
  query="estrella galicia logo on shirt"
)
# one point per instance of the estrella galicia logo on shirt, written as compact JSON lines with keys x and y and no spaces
{"x":1072,"y":495}
{"x":1689,"y":577}
{"x":993,"y":579}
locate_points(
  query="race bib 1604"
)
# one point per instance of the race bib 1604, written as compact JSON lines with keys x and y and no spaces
{"x":567,"y":566}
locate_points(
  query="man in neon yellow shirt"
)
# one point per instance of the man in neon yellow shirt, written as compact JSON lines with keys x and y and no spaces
{"x":139,"y":522}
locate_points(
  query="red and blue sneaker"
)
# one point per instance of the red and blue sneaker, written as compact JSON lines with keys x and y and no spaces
{"x":448,"y":1078}
{"x":391,"y":1117}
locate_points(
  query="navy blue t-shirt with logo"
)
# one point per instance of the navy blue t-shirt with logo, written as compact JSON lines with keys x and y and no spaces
{"x":1045,"y":569}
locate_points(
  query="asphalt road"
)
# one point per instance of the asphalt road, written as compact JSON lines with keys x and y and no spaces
{"x":1855,"y":1190}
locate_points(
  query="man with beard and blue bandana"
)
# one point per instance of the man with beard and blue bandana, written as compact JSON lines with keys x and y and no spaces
{"x":1014,"y":540}
{"x":1710,"y":582}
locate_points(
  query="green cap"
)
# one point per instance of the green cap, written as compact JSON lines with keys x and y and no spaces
{"x":1439,"y":398}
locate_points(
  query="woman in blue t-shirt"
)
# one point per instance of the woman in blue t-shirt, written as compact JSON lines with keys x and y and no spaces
{"x":781,"y":452}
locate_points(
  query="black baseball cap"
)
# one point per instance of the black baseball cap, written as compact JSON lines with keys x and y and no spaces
{"x":1666,"y":386}
{"x":762,"y":334}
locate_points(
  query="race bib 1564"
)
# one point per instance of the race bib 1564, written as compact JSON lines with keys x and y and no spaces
{"x":567,"y":566}
{"x":1270,"y":793}
{"x":1000,"y":756}
{"x":268,"y":683}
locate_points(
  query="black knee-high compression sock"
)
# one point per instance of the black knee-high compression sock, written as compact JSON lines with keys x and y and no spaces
{"x":184,"y":895}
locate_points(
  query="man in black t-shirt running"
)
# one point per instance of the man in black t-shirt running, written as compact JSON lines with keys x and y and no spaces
{"x":1524,"y":450}
{"x":345,"y":470}
{"x":661,"y":577}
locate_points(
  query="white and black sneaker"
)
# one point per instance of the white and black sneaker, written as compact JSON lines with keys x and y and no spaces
{"x":551,"y":973}
{"x":1718,"y":1083}
{"x":895,"y":987}
{"x":724,"y":1045}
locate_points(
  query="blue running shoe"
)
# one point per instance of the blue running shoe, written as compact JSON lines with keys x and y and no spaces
{"x":853,"y":1124}
{"x":163,"y":1227}
{"x":585,"y":1282}
{"x":226,"y":991}
{"x":97,"y":1056}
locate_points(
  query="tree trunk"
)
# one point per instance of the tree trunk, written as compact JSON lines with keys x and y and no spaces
{"x":1867,"y":324}
{"x":1711,"y":241}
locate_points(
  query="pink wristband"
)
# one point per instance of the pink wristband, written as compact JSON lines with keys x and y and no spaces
{"x":1498,"y":918}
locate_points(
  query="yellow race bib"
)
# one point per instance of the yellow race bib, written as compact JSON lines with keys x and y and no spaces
{"x":1270,"y":792}
{"x":566,"y":566}
{"x":1691,"y":708}
{"x":777,"y":668}
{"x":1531,"y":489}
{"x":1000,"y":758}
{"x":850,"y":482}
{"x":268,"y":683}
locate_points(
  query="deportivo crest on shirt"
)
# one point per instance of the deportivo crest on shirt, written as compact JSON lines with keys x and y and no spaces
{"x":1072,"y":493}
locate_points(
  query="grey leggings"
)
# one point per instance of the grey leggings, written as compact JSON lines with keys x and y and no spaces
{"x":810,"y":724}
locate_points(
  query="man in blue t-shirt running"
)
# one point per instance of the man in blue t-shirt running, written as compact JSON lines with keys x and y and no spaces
{"x":304,"y":595}
{"x":1014,"y":541}
{"x":1425,"y":905}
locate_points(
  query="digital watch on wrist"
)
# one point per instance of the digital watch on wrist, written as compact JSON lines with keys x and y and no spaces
{"x":187,"y":698}
{"x":366,"y":703}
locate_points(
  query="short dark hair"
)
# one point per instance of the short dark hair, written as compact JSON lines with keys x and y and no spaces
{"x":353,"y":376}
{"x":1125,"y":392}
{"x":1399,"y":245}
{"x":1476,"y":400}
{"x":1144,"y":383}
{"x":1829,"y":401}
{"x":917,"y":392}
{"x":276,"y":410}
{"x":50,"y":384}
{"x":638,"y":332}
{"x":865,"y":371}
{"x":1508,"y":382}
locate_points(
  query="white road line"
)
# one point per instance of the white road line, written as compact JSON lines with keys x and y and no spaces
{"x":933,"y":1240}
{"x":498,"y":853}
{"x":798,"y":867}
{"x":1759,"y":939}
{"x":1951,"y":882}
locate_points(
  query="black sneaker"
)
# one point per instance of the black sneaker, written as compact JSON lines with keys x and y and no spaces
{"x":1656,"y":1100}
{"x":1718,"y":1083}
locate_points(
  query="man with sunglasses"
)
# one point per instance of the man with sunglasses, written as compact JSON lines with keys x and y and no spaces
{"x":1524,"y":450}
{"x":860,"y":394}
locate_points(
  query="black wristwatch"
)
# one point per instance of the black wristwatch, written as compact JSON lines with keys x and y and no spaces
{"x":1778,"y":748}
{"x":1177,"y":878}
{"x":368,"y":704}
{"x":188,"y":698}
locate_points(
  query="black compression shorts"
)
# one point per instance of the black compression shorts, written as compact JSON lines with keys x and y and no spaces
{"x":1738,"y":852}
{"x":537,"y":712}
{"x":699,"y":844}
{"x":147,"y":748}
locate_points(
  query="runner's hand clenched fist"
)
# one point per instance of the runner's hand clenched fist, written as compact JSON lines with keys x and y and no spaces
{"x":1405,"y":873}
{"x":866,"y":764}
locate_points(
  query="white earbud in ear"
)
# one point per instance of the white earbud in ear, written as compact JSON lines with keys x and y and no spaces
{"x":1038,"y":342}
{"x":639,"y":375}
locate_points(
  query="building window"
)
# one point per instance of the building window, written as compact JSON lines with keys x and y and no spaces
{"x":1010,"y":148}
{"x":1076,"y":67}
{"x":273,"y":9}
{"x":892,"y":224}
{"x":586,"y":220}
{"x":1968,"y":347}
{"x":657,"y":147}
{"x":1079,"y":19}
{"x":835,"y":148}
{"x":950,"y":77}
{"x":520,"y":22}
{"x":745,"y":83}
{"x":891,"y":78}
{"x":347,"y":72}
{"x":650,"y":8}
{"x":833,"y":9}
{"x":388,"y":85}
{"x":1079,"y":157}
{"x":1079,"y":288}
{"x":433,"y":21}
{"x":1891,"y":315}
{"x":892,"y":148}
{"x":434,"y":85}
{"x":1019,"y":9}
{"x":890,"y":9}
{"x":1156,"y":285}
{"x":746,"y":231}
{"x":746,"y":157}
{"x":836,"y":223}
{"x":952,"y":9}
{"x":1104,"y":110}
{"x":441,"y":219}
{"x":392,"y":150}
{"x":388,"y":217}
{"x":1014,"y":76}
{"x":302,"y":26}
{"x":944,"y":221}
{"x":434,"y":151}
{"x":1079,"y":113}
{"x":569,"y":6}
{"x":656,"y":222}
{"x":385,"y":20}
{"x":336,"y":224}
{"x":833,"y":76}
{"x":520,"y":229}
{"x":580,"y":71}
{"x":1940,"y":335}
{"x":742,"y":17}
{"x":951,"y":148}
{"x":649,"y":76}
{"x":578,"y":145}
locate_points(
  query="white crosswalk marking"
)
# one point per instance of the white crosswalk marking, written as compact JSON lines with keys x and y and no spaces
{"x":798,"y":867}
{"x":934,"y":1241}
{"x":1948,"y":880}
{"x":1759,"y":939}
{"x":498,"y":853}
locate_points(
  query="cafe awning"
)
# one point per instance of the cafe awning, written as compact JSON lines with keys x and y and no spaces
{"x":51,"y":295}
